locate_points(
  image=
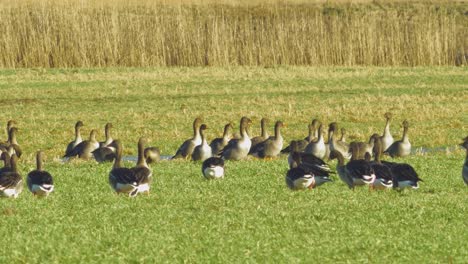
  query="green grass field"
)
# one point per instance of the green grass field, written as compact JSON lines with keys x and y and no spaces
{"x":250,"y":216}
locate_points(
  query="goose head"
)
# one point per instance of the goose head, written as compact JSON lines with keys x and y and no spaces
{"x":92,"y":135}
{"x":79,"y":124}
{"x":388,"y":116}
{"x":10,"y":124}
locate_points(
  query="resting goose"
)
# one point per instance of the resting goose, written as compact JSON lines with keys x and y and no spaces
{"x":39,"y":181}
{"x":152,"y":154}
{"x":142,"y":171}
{"x":77,"y":140}
{"x":213,"y":168}
{"x":186,"y":149}
{"x":404,"y":175}
{"x":355,"y":172}
{"x":218,"y":144}
{"x":11,"y":182}
{"x":264,"y":136}
{"x":121,"y":179}
{"x":106,"y":150}
{"x":386,"y":138}
{"x":85,"y":148}
{"x":400,"y":148}
{"x":336,"y":145}
{"x":202,"y":151}
{"x":272,"y":146}
{"x":317,"y":148}
{"x":238,"y":148}
{"x":465,"y":166}
{"x":109,"y":139}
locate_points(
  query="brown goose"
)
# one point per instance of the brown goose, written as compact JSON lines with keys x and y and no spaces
{"x":465,"y":166}
{"x":359,"y":149}
{"x":317,"y":147}
{"x":12,"y":144}
{"x":106,"y":151}
{"x":202,"y":151}
{"x":302,"y":143}
{"x":85,"y":148}
{"x":107,"y":130}
{"x":272,"y":146}
{"x":142,"y":171}
{"x":264,"y":136}
{"x":400,"y":148}
{"x":334,"y":144}
{"x":39,"y":181}
{"x":10,"y":124}
{"x":11,"y":182}
{"x":386,"y":138}
{"x":239,"y":148}
{"x":121,"y":179}
{"x":186,"y":149}
{"x":218,"y":144}
{"x":152,"y":154}
{"x":77,"y":140}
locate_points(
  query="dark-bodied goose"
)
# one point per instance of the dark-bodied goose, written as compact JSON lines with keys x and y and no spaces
{"x":383,"y":174}
{"x":238,"y":149}
{"x":359,"y":149}
{"x":465,"y":166}
{"x":313,"y":173}
{"x":404,"y":175}
{"x":77,"y":140}
{"x":202,"y":151}
{"x":317,"y":147}
{"x":308,"y":161}
{"x":400,"y":148}
{"x":11,"y":182}
{"x":335,"y":144}
{"x":386,"y":138}
{"x":5,"y":156}
{"x":355,"y":172}
{"x":152,"y":154}
{"x":272,"y":146}
{"x":39,"y":181}
{"x":213,"y":168}
{"x":85,"y":148}
{"x":264,"y":135}
{"x":106,"y":150}
{"x":186,"y":149}
{"x":218,"y":144}
{"x":121,"y":179}
{"x":142,"y":171}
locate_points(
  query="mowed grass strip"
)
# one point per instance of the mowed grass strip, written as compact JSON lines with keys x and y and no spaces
{"x":250,"y":216}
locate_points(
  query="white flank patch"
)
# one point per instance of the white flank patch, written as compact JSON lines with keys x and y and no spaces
{"x":125,"y":188}
{"x":380,"y":185}
{"x":214,"y":172}
{"x":303,"y":183}
{"x":407,"y":184}
{"x":10,"y":193}
{"x":143,"y":188}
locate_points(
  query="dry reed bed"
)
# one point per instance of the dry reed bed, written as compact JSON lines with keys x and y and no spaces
{"x":88,"y":34}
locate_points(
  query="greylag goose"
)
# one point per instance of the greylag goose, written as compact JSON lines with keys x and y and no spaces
{"x":359,"y":149}
{"x":386,"y":138}
{"x":336,"y":145}
{"x":272,"y":146}
{"x":85,"y":148}
{"x":186,"y":149}
{"x":77,"y":140}
{"x":106,"y":150}
{"x":238,"y":148}
{"x":11,"y":182}
{"x":264,"y":135}
{"x":400,"y":148}
{"x":302,"y":143}
{"x":202,"y":151}
{"x":465,"y":166}
{"x":317,"y":148}
{"x":12,"y":144}
{"x":218,"y":144}
{"x":39,"y":181}
{"x":10,"y":124}
{"x":355,"y":172}
{"x":213,"y":168}
{"x":152,"y":154}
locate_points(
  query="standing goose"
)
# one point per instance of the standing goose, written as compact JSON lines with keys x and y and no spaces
{"x":152,"y":154}
{"x":12,"y":144}
{"x":77,"y":140}
{"x":359,"y":149}
{"x":355,"y":173}
{"x":308,"y":161}
{"x":264,"y":136}
{"x":186,"y":149}
{"x":218,"y":144}
{"x":202,"y":151}
{"x":121,"y":179}
{"x":39,"y":181}
{"x":400,"y":148}
{"x":85,"y":148}
{"x":383,"y":174}
{"x":239,"y":148}
{"x":465,"y":166}
{"x":10,"y":124}
{"x":302,"y":143}
{"x":11,"y":182}
{"x":272,"y":146}
{"x":142,"y":171}
{"x":336,"y":145}
{"x":317,"y":147}
{"x":386,"y":138}
{"x":404,"y":175}
{"x":213,"y":168}
{"x":309,"y":175}
{"x":106,"y":150}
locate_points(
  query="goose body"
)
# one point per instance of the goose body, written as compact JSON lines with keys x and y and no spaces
{"x":202,"y":151}
{"x":383,"y":174}
{"x":213,"y":168}
{"x":11,"y":182}
{"x":152,"y":154}
{"x":336,"y":145}
{"x":404,"y":175}
{"x":77,"y":139}
{"x":355,"y":172}
{"x":264,"y":135}
{"x":270,"y":147}
{"x":238,"y":149}
{"x":317,"y":148}
{"x":302,"y":143}
{"x":386,"y":138}
{"x":306,"y":171}
{"x":85,"y":149}
{"x":299,"y":179}
{"x":359,"y":149}
{"x":186,"y":149}
{"x":309,"y":162}
{"x":465,"y":166}
{"x":39,"y":181}
{"x":106,"y":150}
{"x":218,"y":144}
{"x":400,"y":148}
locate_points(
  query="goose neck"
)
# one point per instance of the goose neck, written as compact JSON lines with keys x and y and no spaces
{"x":39,"y":161}
{"x":141,"y":155}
